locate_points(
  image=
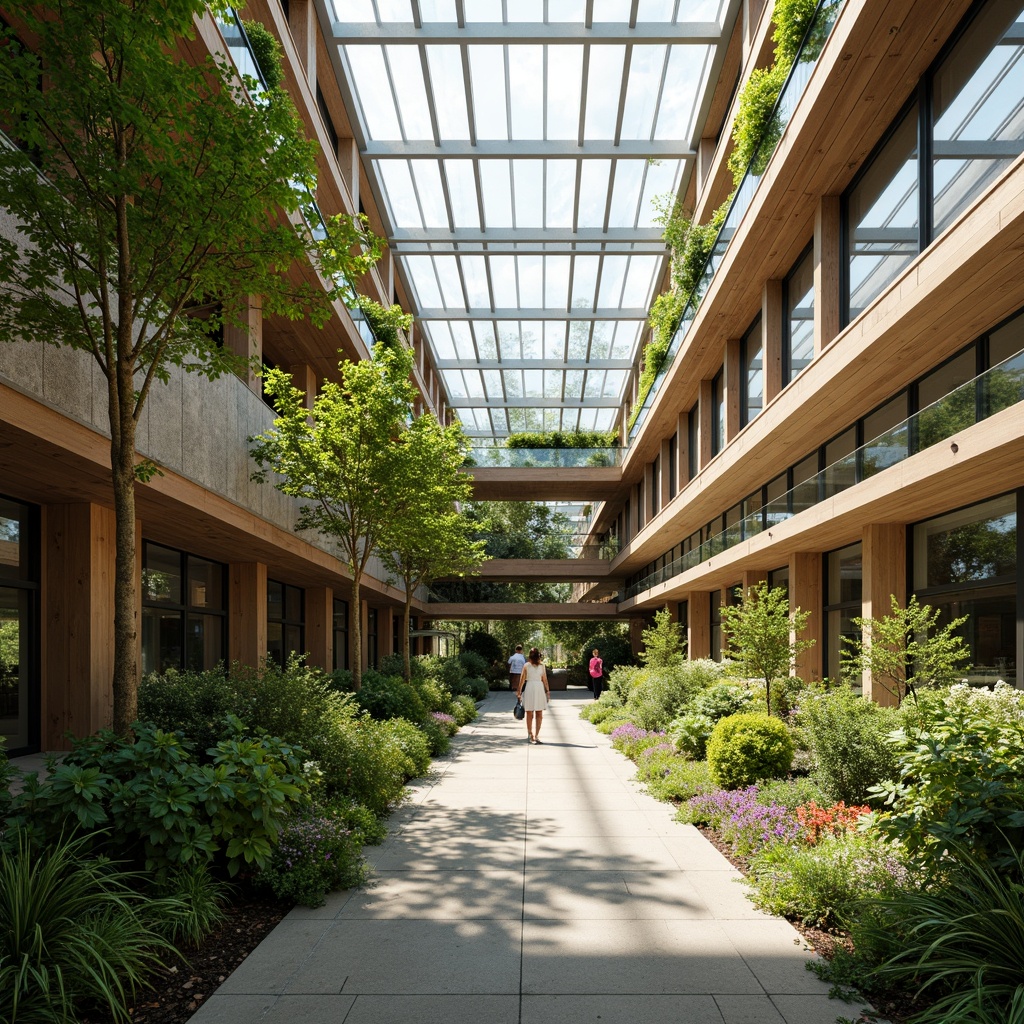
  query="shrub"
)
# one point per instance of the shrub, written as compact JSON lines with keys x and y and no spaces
{"x":615,"y":650}
{"x":437,"y":736}
{"x":791,"y":793}
{"x":435,"y":696}
{"x":376,"y":764}
{"x":850,"y":739}
{"x":446,"y":671}
{"x":366,"y":827}
{"x":960,"y":778}
{"x":720,"y":700}
{"x":743,"y":819}
{"x":385,"y":697}
{"x":160,"y":807}
{"x":474,"y":664}
{"x":608,"y":725}
{"x":622,"y":679}
{"x":267,"y":52}
{"x":413,"y":744}
{"x":689,"y":734}
{"x":477,"y":688}
{"x":672,"y":778}
{"x":317,"y":854}
{"x":745,"y":748}
{"x":197,"y":902}
{"x":820,"y":822}
{"x":479,"y":641}
{"x":658,"y":694}
{"x":464,"y":710}
{"x":446,"y":722}
{"x":73,"y":929}
{"x":821,"y":885}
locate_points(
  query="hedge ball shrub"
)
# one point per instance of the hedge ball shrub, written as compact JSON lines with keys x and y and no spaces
{"x":747,"y":747}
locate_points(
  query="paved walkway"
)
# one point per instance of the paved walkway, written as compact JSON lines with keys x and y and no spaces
{"x":532,"y":885}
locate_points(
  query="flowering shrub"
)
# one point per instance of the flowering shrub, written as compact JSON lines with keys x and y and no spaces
{"x":316,"y":854}
{"x":743,"y":821}
{"x":747,"y":747}
{"x":658,"y":748}
{"x":837,"y":820}
{"x":670,"y":777}
{"x":446,"y":721}
{"x":464,"y":709}
{"x":632,"y":740}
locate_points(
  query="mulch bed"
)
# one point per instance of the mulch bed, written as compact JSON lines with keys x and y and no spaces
{"x":179,"y":990}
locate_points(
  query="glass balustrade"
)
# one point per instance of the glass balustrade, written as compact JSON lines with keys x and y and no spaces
{"x":545,"y":458}
{"x":987,"y":394}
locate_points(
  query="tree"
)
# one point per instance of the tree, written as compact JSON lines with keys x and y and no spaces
{"x":663,"y":642}
{"x":144,"y":189}
{"x":763,"y":635}
{"x":431,"y":538}
{"x":344,"y":458}
{"x":905,"y":650}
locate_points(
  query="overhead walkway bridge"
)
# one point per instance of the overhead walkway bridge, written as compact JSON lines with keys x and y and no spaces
{"x":547,"y":474}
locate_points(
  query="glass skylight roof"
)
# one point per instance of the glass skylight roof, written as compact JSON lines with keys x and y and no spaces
{"x":514,"y":148}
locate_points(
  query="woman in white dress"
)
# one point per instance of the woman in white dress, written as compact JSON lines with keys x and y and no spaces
{"x":534,"y":693}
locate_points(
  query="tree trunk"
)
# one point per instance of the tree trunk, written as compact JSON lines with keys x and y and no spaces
{"x":356,"y":633}
{"x":406,"y":656}
{"x":122,"y":465}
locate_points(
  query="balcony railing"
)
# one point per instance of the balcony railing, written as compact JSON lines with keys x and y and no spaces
{"x":545,"y":458}
{"x":990,"y":392}
{"x":796,"y":83}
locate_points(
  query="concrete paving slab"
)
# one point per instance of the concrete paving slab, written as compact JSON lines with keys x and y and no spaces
{"x":527,"y":885}
{"x":620,"y":1009}
{"x":432,"y":1009}
{"x":406,"y":957}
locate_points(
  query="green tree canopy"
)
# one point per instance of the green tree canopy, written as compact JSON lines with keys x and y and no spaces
{"x":145,"y":188}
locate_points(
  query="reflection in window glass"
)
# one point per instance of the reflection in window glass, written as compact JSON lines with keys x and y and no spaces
{"x":752,"y":358}
{"x":285,"y":625}
{"x":13,"y":551}
{"x":798,"y":348}
{"x":1004,"y":383}
{"x":717,"y":413}
{"x":840,"y":463}
{"x":977,"y":110}
{"x":886,"y":437}
{"x":882,"y":217}
{"x":845,"y":573}
{"x":805,"y":484}
{"x":946,"y":400}
{"x":15,"y":637}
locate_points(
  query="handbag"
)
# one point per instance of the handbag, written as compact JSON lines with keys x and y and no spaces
{"x":519,"y":711}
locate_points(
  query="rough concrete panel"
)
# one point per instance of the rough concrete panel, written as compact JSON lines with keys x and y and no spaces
{"x":205,"y":427}
{"x":21,"y":363}
{"x":165,"y":427}
{"x":67,"y":382}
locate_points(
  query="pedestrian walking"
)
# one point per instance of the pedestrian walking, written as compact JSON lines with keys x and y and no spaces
{"x":515,"y":667}
{"x":597,"y":673}
{"x":534,"y":693}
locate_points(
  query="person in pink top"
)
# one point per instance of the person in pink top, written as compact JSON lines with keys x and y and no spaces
{"x":597,"y":673}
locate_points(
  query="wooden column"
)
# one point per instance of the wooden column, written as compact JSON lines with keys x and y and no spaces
{"x":320,"y":627}
{"x":705,"y":160}
{"x":884,"y":561}
{"x":771,"y":338}
{"x":683,"y":449}
{"x":827,"y":260}
{"x":650,"y":482}
{"x":304,"y":378}
{"x":698,"y":628}
{"x":78,"y":621}
{"x":805,"y":572}
{"x":247,"y":612}
{"x":751,"y":578}
{"x":246,"y":341}
{"x":348,"y":159}
{"x":732,"y":385}
{"x":385,"y":631}
{"x":363,"y":611}
{"x":302,"y":23}
{"x":666,"y":473}
{"x":704,"y":419}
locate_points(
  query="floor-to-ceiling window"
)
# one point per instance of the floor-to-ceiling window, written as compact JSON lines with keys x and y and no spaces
{"x":285,"y":621}
{"x":798,"y":325}
{"x":965,"y":563}
{"x":752,"y":370}
{"x":19,"y":625}
{"x":341,"y":659}
{"x":184,"y":610}
{"x":844,"y":576}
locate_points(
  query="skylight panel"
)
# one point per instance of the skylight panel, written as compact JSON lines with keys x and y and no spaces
{"x":526,"y":10}
{"x":655,"y":10}
{"x":613,"y":383}
{"x":604,"y":419}
{"x":533,"y":383}
{"x":483,"y":10}
{"x":579,"y":339}
{"x":584,"y":281}
{"x":554,"y":340}
{"x":352,"y":10}
{"x":486,"y":344}
{"x":531,"y":335}
{"x":588,"y":417}
{"x":613,"y":275}
{"x":474,"y":383}
{"x":441,"y":340}
{"x":662,"y":177}
{"x":462,"y":337}
{"x":447,"y":268}
{"x":567,"y":10}
{"x":449,"y":90}
{"x":531,"y":281}
{"x":492,"y":384}
{"x":513,"y":382}
{"x":453,"y":384}
{"x":553,"y":383}
{"x":646,"y":70}
{"x":640,"y":281}
{"x":526,"y":90}
{"x":427,"y":176}
{"x":424,"y":282}
{"x":474,"y":273}
{"x":528,"y":176}
{"x":407,"y":75}
{"x":462,"y":193}
{"x":401,"y":195}
{"x":565,"y":83}
{"x":487,"y":74}
{"x":437,"y":10}
{"x":497,"y":189}
{"x":611,"y":10}
{"x":560,"y":192}
{"x":500,"y":420}
{"x":593,"y":195}
{"x":377,"y":104}
{"x":503,"y":282}
{"x":600,"y":346}
{"x":627,"y":337}
{"x":687,"y":69}
{"x":604,"y":82}
{"x":556,"y":282}
{"x":595,"y":384}
{"x":629,"y":175}
{"x":574,"y":384}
